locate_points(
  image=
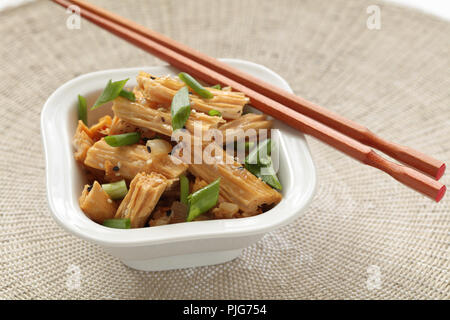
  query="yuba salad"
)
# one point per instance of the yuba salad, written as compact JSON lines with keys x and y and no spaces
{"x":174,"y":151}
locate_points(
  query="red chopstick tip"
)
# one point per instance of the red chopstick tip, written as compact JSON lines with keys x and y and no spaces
{"x":441,"y":193}
{"x":440,"y":172}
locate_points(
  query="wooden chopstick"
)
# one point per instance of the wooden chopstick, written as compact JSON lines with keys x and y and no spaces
{"x":414,"y":158}
{"x":408,"y":176}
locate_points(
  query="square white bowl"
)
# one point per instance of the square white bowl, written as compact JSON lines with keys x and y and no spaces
{"x":172,"y":246}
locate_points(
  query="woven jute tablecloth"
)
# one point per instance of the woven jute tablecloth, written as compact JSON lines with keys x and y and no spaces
{"x":364,"y":236}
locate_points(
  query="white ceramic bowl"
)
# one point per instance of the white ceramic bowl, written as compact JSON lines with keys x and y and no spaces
{"x":171,"y":246}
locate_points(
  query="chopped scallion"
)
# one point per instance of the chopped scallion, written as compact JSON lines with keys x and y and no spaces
{"x":128,"y":95}
{"x":214,"y":113}
{"x":259,"y":163}
{"x":117,"y":223}
{"x":111,"y":91}
{"x":184,"y":189}
{"x":270,"y":177}
{"x":82,"y":109}
{"x":180,"y":108}
{"x":248,"y":145}
{"x":261,"y":154}
{"x":217,"y":86}
{"x":195,"y":85}
{"x":116,"y":190}
{"x":123,"y":139}
{"x":203,"y":200}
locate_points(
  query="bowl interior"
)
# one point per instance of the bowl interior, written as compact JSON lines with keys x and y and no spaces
{"x":65,"y":179}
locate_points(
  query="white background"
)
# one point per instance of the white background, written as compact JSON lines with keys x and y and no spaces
{"x":439,"y":8}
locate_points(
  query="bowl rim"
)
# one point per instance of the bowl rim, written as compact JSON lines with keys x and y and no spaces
{"x":72,"y":219}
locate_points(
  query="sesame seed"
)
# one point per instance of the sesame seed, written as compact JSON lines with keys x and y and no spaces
{"x":89,"y":188}
{"x":101,"y":165}
{"x":149,"y":149}
{"x":109,"y":201}
{"x":153,"y":78}
{"x":168,"y":213}
{"x":116,"y":168}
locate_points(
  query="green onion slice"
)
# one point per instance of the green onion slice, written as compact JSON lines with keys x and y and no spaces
{"x":261,"y":154}
{"x":214,"y":113}
{"x":117,"y":223}
{"x":248,"y":145}
{"x":123,"y":139}
{"x":270,"y":178}
{"x":116,"y":190}
{"x":111,"y":91}
{"x":217,"y":86}
{"x":195,"y":85}
{"x":128,"y":95}
{"x":203,"y":200}
{"x":258,"y":159}
{"x":82,"y":109}
{"x":180,"y":108}
{"x":184,"y":189}
{"x":237,"y":146}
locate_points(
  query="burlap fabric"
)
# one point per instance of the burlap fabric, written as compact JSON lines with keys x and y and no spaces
{"x":364,"y":235}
